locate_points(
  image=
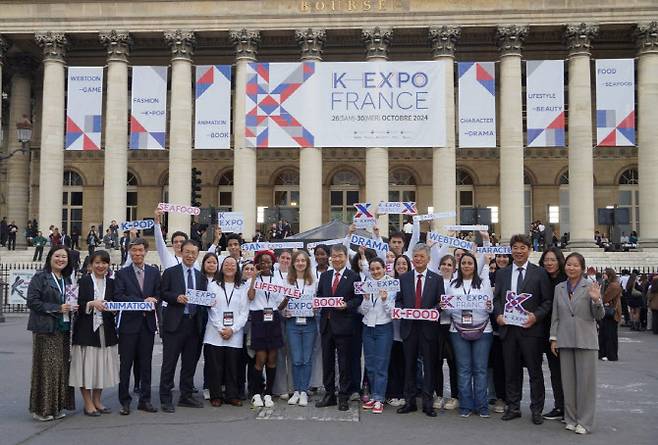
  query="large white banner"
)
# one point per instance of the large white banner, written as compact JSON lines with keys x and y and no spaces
{"x":212,"y":123}
{"x":84,"y":108}
{"x":477,"y":104}
{"x":345,"y":104}
{"x":545,"y":103}
{"x":148,"y":115}
{"x":615,"y":102}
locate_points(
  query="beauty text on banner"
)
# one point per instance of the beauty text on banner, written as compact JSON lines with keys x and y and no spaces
{"x":545,"y":103}
{"x":148,"y":115}
{"x":477,"y":104}
{"x":212,"y":124}
{"x":84,"y":108}
{"x":615,"y":102}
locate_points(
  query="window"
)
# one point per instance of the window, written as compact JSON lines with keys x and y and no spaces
{"x":225,"y":192}
{"x":72,"y":202}
{"x":628,"y":196}
{"x":131,"y":198}
{"x":402,"y":187}
{"x":344,"y":192}
{"x":494,"y":214}
{"x":553,"y":214}
{"x":465,"y":191}
{"x":286,"y":189}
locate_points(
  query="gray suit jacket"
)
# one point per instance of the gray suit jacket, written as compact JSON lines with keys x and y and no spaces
{"x":573,"y":322}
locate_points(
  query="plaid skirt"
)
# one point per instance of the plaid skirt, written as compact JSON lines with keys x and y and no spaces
{"x":50,"y":392}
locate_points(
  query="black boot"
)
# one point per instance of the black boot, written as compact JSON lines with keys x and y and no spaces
{"x":255,"y":381}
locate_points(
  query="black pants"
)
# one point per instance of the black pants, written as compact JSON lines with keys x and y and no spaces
{"x":132,"y":346}
{"x":91,"y":249}
{"x":445,"y":352}
{"x":556,"y":376}
{"x":608,"y":341}
{"x":519,"y":350}
{"x":497,"y":364}
{"x":11,"y":245}
{"x":38,"y":253}
{"x":355,"y":356}
{"x":654,"y":321}
{"x":414,"y":345}
{"x":333,"y":345}
{"x":624,"y":308}
{"x":223,"y":365}
{"x":395,"y":385}
{"x":184,"y":343}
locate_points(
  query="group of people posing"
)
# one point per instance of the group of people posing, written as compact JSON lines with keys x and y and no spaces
{"x":255,"y":347}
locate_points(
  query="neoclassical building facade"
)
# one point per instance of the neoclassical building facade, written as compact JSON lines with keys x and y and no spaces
{"x":563,"y":186}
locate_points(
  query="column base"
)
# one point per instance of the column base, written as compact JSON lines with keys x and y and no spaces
{"x":583,"y":245}
{"x":649,"y":245}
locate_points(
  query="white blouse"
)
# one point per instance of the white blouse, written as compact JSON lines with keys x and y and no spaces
{"x":265,"y":299}
{"x":375,"y":311}
{"x":229,"y":299}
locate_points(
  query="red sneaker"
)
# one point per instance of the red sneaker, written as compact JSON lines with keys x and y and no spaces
{"x":378,"y":408}
{"x":368,"y":405}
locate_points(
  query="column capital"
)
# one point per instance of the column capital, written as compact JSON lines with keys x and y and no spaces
{"x":377,"y":41}
{"x":246,"y":43}
{"x":53,"y":45}
{"x":579,"y":37}
{"x":444,"y":39}
{"x":510,"y":38}
{"x":646,"y":36}
{"x":311,"y":41}
{"x":117,"y":43}
{"x":182,"y":44}
{"x":4,"y":46}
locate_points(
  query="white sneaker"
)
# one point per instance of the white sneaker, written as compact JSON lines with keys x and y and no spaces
{"x":257,"y":401}
{"x":570,"y":427}
{"x":35,"y":416}
{"x":284,"y":396}
{"x":580,"y":429}
{"x":393,"y":402}
{"x":605,"y":359}
{"x":499,"y":406}
{"x":438,"y":403}
{"x":206,"y":394}
{"x":294,"y":399}
{"x":402,"y":402}
{"x":267,"y":400}
{"x":451,"y":404}
{"x":303,"y":399}
{"x":60,"y":415}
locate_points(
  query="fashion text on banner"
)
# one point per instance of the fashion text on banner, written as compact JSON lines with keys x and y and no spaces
{"x":415,"y":314}
{"x":615,"y":102}
{"x":545,"y":103}
{"x":465,"y":302}
{"x":477,"y":104}
{"x":212,"y":110}
{"x":84,"y":108}
{"x":148,"y":115}
{"x":177,"y":208}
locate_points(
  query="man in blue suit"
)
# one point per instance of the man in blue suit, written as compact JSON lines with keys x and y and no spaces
{"x":183,"y":328}
{"x":138,"y":282}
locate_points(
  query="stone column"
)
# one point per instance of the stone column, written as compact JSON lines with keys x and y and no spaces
{"x":18,"y":166}
{"x":51,"y":162}
{"x":444,"y":162}
{"x":4,"y":46}
{"x":311,"y":42}
{"x":581,"y":164}
{"x":244,"y":158}
{"x":116,"y":126}
{"x":377,"y":41}
{"x":510,"y":40}
{"x":647,"y":96}
{"x":180,"y":126}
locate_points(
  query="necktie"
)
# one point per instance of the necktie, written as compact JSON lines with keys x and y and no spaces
{"x":519,"y":279}
{"x":419,"y":291}
{"x":334,"y":285}
{"x":140,"y":279}
{"x":190,"y":308}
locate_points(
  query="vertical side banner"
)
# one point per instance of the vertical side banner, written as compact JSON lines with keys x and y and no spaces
{"x":148,"y":115}
{"x":545,"y":103}
{"x":212,"y":121}
{"x":477,"y":104}
{"x":615,"y":102}
{"x":84,"y":108}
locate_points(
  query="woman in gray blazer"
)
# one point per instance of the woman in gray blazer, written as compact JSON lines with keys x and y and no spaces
{"x":577,"y":306}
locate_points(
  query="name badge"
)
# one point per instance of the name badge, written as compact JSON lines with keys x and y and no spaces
{"x":300,"y":321}
{"x":268,"y":314}
{"x":228,"y":319}
{"x":467,"y":317}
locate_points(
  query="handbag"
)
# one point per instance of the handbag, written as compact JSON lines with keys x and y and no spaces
{"x":470,"y":333}
{"x":610,"y":311}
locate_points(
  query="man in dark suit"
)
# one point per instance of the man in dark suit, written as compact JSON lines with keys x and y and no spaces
{"x":183,"y":328}
{"x":139,"y":282}
{"x":523,"y":345}
{"x":419,"y":288}
{"x":337,"y":327}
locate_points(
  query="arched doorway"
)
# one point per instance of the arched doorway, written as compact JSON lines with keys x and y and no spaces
{"x":73,"y":202}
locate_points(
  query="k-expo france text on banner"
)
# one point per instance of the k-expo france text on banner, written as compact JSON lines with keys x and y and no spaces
{"x":148,"y":113}
{"x":84,"y":108}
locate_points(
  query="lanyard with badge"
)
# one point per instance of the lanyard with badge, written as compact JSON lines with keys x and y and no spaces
{"x":228,"y":315}
{"x":300,"y":321}
{"x":61,"y":286}
{"x":98,"y":295}
{"x":268,"y":312}
{"x":467,"y":315}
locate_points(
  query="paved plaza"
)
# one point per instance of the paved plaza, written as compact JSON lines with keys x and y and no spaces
{"x":626,"y":412}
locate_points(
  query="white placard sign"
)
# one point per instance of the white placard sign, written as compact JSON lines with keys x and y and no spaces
{"x":129,"y":306}
{"x":280,"y":289}
{"x":329,"y":242}
{"x":415,"y":314}
{"x":302,"y":306}
{"x":397,"y":208}
{"x":514,"y":313}
{"x":450,"y":241}
{"x":477,"y":104}
{"x":465,"y":302}
{"x":254,"y":247}
{"x":274,"y":245}
{"x":142,"y":224}
{"x":231,"y":222}
{"x":327,"y":302}
{"x":200,"y":297}
{"x":148,"y":114}
{"x":615,"y":102}
{"x":178,"y":208}
{"x":545,"y":103}
{"x":19,"y":280}
{"x":466,"y":227}
{"x":436,"y":215}
{"x":495,"y":250}
{"x":212,"y":110}
{"x":374,"y":286}
{"x":369,"y":243}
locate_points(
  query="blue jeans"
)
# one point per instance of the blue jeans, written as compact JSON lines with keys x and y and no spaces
{"x":377,"y":343}
{"x":301,"y":340}
{"x":472,"y":358}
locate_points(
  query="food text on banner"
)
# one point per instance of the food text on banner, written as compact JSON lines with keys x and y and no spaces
{"x":437,"y":215}
{"x":514,"y":313}
{"x":327,"y":302}
{"x":415,"y":314}
{"x":286,"y":291}
{"x":465,"y":302}
{"x":178,"y":208}
{"x":129,"y":306}
{"x":200,"y":297}
{"x":374,"y":286}
{"x":368,"y":243}
{"x":450,"y":241}
{"x":142,"y":224}
{"x":231,"y":222}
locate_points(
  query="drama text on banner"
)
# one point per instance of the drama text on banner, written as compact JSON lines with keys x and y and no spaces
{"x":369,"y":243}
{"x":477,"y":104}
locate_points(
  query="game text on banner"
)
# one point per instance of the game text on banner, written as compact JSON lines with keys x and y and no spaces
{"x":231,"y":221}
{"x":514,"y":313}
{"x":466,"y":227}
{"x":329,"y":242}
{"x":327,"y":302}
{"x":142,"y":224}
{"x":451,"y":241}
{"x":438,"y":215}
{"x":178,"y":208}
{"x":129,"y":306}
{"x":374,"y":286}
{"x":465,"y":302}
{"x":84,"y":108}
{"x":495,"y":250}
{"x":415,"y":314}
{"x":286,"y":291}
{"x":397,"y":208}
{"x":368,"y":243}
{"x":200,"y":297}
